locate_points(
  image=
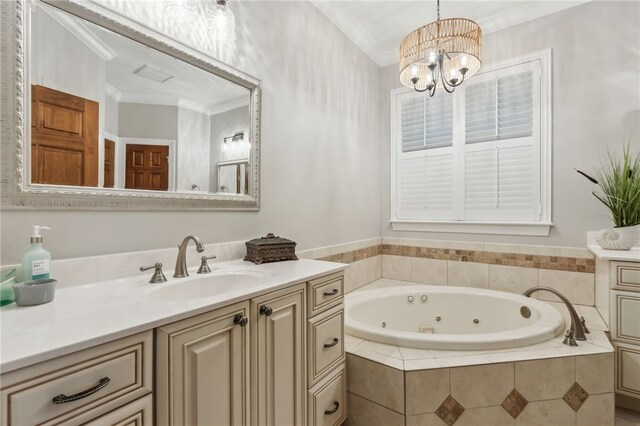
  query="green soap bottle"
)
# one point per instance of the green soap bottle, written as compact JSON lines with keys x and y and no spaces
{"x":36,"y":263}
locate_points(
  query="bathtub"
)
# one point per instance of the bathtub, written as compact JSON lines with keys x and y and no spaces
{"x":457,"y":318}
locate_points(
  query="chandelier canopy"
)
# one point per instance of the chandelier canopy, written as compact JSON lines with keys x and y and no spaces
{"x":445,"y":52}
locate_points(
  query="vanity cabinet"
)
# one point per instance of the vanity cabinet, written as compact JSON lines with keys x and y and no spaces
{"x":624,"y":324}
{"x":278,"y":357}
{"x":326,"y":373}
{"x":83,"y":387}
{"x":202,"y":369}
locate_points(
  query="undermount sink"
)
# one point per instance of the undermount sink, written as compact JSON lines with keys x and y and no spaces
{"x":217,"y":282}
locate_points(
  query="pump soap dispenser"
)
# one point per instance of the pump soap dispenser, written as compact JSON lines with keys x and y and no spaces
{"x":36,"y":262}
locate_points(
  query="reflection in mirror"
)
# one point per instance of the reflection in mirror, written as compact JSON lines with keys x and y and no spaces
{"x":110,"y":112}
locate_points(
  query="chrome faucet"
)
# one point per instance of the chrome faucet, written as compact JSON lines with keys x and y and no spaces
{"x":181,"y":261}
{"x":577,"y":327}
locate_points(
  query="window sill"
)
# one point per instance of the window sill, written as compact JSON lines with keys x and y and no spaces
{"x":540,"y":229}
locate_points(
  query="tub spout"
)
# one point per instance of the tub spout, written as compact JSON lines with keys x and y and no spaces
{"x":576,"y":325}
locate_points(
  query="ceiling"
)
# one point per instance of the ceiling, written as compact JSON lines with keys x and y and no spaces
{"x":189,"y":87}
{"x":377,"y":27}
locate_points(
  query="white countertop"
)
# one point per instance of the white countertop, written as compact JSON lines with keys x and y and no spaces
{"x":88,"y":315}
{"x":632,"y":255}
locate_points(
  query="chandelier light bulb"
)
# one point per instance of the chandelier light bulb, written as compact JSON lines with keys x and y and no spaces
{"x":222,"y":23}
{"x":464,"y":61}
{"x":453,"y":73}
{"x":414,"y":70}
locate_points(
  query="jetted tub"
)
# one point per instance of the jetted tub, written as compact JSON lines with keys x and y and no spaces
{"x":459,"y":318}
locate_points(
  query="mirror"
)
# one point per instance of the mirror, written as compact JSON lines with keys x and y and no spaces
{"x":120,"y":111}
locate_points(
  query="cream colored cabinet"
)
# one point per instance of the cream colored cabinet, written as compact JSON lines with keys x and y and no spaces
{"x":624,"y":323}
{"x":202,"y":369}
{"x":77,"y":388}
{"x":326,"y":373}
{"x":278,"y":357}
{"x":136,"y":413}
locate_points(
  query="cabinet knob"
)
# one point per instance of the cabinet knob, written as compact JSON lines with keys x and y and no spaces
{"x":333,"y":343}
{"x":336,"y":405}
{"x":266,"y":310}
{"x":240,"y":320}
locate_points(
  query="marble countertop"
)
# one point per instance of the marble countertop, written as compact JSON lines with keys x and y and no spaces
{"x":632,"y":255}
{"x":87,"y":315}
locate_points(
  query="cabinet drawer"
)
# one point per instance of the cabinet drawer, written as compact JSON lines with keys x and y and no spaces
{"x":628,"y":370}
{"x":626,"y":326}
{"x":123,"y":368}
{"x":136,"y":413}
{"x":627,"y":275}
{"x":328,"y":399}
{"x":326,"y":343}
{"x":324,"y":293}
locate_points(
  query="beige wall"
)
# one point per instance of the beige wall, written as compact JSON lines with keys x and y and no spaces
{"x":320,"y":153}
{"x":596,"y":105}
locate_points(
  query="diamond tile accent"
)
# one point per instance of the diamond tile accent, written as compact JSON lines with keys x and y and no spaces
{"x":575,"y":396}
{"x":514,"y":403}
{"x":450,"y":410}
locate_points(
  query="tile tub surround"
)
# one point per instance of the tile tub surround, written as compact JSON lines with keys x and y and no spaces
{"x":490,"y":387}
{"x":505,"y":267}
{"x":554,"y":391}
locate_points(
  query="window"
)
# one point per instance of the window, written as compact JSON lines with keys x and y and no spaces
{"x":477,"y":160}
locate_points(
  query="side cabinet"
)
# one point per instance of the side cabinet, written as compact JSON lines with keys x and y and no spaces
{"x":278,"y":358}
{"x":202,"y":369}
{"x":625,"y":330}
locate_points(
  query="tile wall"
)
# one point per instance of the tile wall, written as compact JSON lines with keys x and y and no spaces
{"x":575,"y":390}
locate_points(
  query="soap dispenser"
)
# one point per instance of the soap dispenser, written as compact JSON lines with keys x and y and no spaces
{"x":36,"y":262}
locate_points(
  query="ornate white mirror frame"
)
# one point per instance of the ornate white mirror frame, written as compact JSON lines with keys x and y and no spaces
{"x":15,"y":189}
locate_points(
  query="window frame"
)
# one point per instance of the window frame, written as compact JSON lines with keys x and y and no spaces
{"x":536,"y":228}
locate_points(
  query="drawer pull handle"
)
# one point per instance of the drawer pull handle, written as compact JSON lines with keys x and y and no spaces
{"x":63,"y":399}
{"x":331,"y":293}
{"x":266,"y":310}
{"x":333,"y":343}
{"x":240,"y":320}
{"x":336,"y":405}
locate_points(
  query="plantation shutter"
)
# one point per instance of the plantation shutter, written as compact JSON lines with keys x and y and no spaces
{"x":500,"y":147}
{"x":426,"y":160}
{"x":473,"y":155}
{"x":425,"y":123}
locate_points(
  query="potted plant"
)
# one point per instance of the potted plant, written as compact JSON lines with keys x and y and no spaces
{"x":618,"y":183}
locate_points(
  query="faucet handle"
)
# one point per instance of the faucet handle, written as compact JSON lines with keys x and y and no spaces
{"x":204,"y":267}
{"x":158,"y":276}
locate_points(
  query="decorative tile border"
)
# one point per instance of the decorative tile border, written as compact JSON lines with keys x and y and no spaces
{"x":556,"y":263}
{"x":354,"y":255}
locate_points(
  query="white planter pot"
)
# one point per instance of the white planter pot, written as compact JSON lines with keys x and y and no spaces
{"x":618,"y":238}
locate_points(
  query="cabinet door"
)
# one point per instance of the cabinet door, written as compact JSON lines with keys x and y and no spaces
{"x":202,"y":369}
{"x":278,"y":358}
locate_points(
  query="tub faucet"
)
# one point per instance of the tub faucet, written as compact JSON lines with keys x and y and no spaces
{"x":577,"y":327}
{"x":181,"y":261}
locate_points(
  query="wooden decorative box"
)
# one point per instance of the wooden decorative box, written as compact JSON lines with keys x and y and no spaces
{"x":270,"y":249}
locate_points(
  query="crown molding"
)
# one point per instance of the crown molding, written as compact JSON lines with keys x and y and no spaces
{"x":352,"y":29}
{"x":112,"y":92}
{"x":228,"y":105}
{"x":82,"y":33}
{"x":349,"y":25}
